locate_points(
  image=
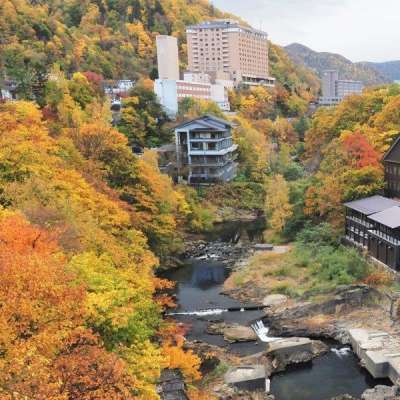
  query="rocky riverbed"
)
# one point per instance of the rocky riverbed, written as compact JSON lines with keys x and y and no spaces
{"x":203,"y":303}
{"x":228,"y":253}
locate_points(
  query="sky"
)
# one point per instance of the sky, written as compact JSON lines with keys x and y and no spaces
{"x":361,"y":30}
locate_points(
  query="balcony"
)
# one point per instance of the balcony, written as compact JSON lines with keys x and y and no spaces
{"x":385,"y":237}
{"x":216,"y":152}
{"x":360,"y":222}
{"x":210,"y":162}
{"x":222,"y":175}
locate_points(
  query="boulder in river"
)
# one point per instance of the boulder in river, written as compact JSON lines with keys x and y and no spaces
{"x":294,"y":350}
{"x":232,"y":333}
{"x":239,"y":333}
{"x":381,"y":392}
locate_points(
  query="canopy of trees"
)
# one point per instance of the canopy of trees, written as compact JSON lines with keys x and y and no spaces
{"x":344,"y":147}
{"x":80,"y":220}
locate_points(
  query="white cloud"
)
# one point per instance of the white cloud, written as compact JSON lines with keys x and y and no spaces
{"x":357,"y":29}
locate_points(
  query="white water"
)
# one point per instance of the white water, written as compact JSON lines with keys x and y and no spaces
{"x":262,"y":332}
{"x":202,"y":313}
{"x":344,"y":351}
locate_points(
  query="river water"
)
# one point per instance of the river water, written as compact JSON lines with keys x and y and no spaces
{"x":198,"y":287}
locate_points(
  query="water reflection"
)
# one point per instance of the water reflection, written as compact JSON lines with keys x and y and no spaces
{"x":326,"y":377}
{"x":235,"y":231}
{"x":206,"y":276}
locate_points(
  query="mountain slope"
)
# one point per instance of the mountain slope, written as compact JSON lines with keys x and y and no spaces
{"x":319,"y":61}
{"x":390,"y":69}
{"x":113,"y":38}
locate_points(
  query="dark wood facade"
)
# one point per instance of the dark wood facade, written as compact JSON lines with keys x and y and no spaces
{"x":391,"y":162}
{"x":384,"y":246}
{"x":373,"y":223}
{"x":357,"y":226}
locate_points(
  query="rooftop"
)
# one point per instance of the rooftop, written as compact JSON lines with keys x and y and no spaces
{"x":209,"y":122}
{"x":393,"y":154}
{"x":224,"y":23}
{"x":372,"y":205}
{"x":389,"y":217}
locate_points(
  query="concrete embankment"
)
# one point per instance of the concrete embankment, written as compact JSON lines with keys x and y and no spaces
{"x":379,"y":352}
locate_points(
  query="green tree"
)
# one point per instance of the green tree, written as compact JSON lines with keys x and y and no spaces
{"x":143,"y":119}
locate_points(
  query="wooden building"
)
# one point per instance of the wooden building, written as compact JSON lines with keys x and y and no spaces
{"x":391,"y":162}
{"x":374,"y":222}
{"x":358,"y":223}
{"x":384,"y":237}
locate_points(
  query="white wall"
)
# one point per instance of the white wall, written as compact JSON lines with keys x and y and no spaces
{"x":166,"y":92}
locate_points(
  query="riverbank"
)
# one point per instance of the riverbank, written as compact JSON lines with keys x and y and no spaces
{"x":226,"y":272}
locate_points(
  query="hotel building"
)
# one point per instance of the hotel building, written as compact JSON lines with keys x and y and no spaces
{"x":334,"y":90}
{"x":227,"y":46}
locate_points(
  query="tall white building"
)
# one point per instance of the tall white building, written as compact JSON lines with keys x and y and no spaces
{"x":167,"y":57}
{"x":170,"y":90}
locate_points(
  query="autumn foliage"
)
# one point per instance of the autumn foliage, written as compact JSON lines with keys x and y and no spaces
{"x":47,"y":352}
{"x":345,"y":146}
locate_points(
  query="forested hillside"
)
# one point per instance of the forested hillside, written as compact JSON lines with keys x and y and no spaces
{"x":345,"y":145}
{"x":84,"y":223}
{"x":390,"y":69}
{"x":320,"y":61}
{"x":78,"y":292}
{"x":115,"y":39}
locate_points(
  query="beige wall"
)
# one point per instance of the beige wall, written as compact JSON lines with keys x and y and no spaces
{"x":237,"y":50}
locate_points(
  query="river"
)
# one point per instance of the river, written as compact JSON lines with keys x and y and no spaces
{"x":198,"y":287}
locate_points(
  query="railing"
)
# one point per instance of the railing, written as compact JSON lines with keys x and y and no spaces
{"x":360,"y":221}
{"x":385,"y":237}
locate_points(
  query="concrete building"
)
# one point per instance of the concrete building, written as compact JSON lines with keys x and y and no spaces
{"x":170,"y":90}
{"x":334,"y":90}
{"x":346,"y":88}
{"x":328,"y":86}
{"x":227,"y":46}
{"x":205,"y":151}
{"x":168,"y":57}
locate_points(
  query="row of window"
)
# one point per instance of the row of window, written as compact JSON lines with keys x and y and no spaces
{"x":392,"y":169}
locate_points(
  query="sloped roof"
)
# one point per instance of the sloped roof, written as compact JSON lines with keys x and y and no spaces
{"x":208,"y":121}
{"x":393,"y":154}
{"x":389,"y":217}
{"x":372,"y":205}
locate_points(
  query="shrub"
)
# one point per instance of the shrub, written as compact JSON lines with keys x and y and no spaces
{"x":378,"y":278}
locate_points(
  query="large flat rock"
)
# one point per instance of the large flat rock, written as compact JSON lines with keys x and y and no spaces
{"x":238,"y":333}
{"x":290,"y":345}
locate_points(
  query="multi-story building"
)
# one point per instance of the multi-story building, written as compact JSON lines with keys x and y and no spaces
{"x":391,"y":162}
{"x":170,"y":90}
{"x":205,"y":150}
{"x":346,"y":88}
{"x":168,"y":57}
{"x":228,"y":46}
{"x":334,"y":90}
{"x":373,"y":223}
